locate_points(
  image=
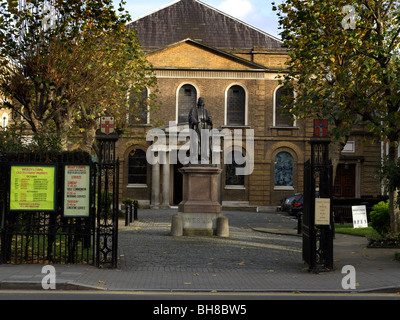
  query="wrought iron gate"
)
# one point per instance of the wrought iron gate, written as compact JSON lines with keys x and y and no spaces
{"x":317,"y":239}
{"x":52,"y":236}
{"x":108,"y":191}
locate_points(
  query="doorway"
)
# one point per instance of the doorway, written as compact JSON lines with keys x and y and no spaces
{"x":345,"y":181}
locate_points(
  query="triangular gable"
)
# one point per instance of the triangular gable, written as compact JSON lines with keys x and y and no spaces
{"x":190,"y":54}
{"x":196,"y":20}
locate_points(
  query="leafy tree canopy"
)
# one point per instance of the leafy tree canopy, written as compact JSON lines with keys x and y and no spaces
{"x":343,"y":62}
{"x":66,"y":63}
{"x":343,"y":65}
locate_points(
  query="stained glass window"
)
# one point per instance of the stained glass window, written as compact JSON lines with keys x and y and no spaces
{"x":284,"y":169}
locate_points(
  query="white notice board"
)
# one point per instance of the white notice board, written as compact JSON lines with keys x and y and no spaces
{"x":322,"y":211}
{"x":359,"y":216}
{"x":77,"y":191}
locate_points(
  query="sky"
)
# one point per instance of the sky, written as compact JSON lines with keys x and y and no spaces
{"x":257,"y":13}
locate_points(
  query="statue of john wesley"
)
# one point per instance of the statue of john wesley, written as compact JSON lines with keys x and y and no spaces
{"x":200,"y":119}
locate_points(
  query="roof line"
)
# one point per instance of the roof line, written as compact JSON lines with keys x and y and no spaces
{"x":159,"y":9}
{"x":210,"y":48}
{"x":212,"y":8}
{"x":238,"y":20}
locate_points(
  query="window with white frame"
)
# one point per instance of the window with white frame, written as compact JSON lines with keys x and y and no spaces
{"x":236,"y":106}
{"x":187,"y":99}
{"x":4,"y":120}
{"x":283,"y":118}
{"x":138,"y":108}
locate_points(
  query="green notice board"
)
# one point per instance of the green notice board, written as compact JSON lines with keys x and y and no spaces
{"x":32,"y":188}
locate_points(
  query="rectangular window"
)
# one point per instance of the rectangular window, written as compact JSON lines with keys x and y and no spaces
{"x":137,"y":167}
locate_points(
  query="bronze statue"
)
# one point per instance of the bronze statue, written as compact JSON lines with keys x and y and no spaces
{"x":200,"y":119}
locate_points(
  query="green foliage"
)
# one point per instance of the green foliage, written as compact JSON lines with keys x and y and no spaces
{"x":349,"y":229}
{"x":389,"y":173}
{"x":18,"y":139}
{"x":349,"y":76}
{"x":128,"y":201}
{"x":380,"y":218}
{"x":70,"y":74}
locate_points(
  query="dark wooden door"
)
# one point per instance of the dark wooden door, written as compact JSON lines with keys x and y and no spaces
{"x":345,"y":185}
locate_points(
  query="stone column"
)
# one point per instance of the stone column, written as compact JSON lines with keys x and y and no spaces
{"x":155,"y":185}
{"x":165,"y":184}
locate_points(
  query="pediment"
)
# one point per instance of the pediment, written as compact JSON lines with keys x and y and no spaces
{"x":189,"y":54}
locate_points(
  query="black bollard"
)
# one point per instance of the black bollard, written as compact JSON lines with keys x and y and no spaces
{"x":135,"y":209}
{"x":127,"y":215}
{"x":300,"y":222}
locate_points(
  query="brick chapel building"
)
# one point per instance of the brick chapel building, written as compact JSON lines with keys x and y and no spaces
{"x":199,"y":51}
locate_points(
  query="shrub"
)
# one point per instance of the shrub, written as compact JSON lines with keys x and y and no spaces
{"x":380,"y":217}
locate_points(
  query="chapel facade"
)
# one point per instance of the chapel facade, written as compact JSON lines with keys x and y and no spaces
{"x":199,"y":51}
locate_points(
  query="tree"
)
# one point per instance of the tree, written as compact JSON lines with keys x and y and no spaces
{"x":343,"y":66}
{"x":69,"y":62}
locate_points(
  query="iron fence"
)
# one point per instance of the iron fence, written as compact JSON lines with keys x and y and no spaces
{"x":46,"y":237}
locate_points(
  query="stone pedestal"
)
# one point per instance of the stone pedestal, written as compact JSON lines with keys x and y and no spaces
{"x":200,"y":208}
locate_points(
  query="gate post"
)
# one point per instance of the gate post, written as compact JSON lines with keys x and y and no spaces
{"x":318,"y":224}
{"x":107,"y":194}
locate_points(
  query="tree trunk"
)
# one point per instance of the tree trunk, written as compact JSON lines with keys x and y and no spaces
{"x":63,"y":124}
{"x":335,"y":151}
{"x":394,"y":210}
{"x":88,"y":138}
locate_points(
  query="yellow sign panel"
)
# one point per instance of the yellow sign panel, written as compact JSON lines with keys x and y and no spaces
{"x":32,"y":188}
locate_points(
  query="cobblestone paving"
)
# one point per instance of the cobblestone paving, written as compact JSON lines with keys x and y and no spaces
{"x":147,"y":245}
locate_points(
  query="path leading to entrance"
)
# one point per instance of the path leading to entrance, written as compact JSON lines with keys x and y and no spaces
{"x":148,"y":246}
{"x":255,"y":258}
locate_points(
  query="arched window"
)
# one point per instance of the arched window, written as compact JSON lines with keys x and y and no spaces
{"x":137,"y":167}
{"x":283,"y":172}
{"x":4,"y":120}
{"x":138,"y":108}
{"x":236,"y":106}
{"x":283,"y":117}
{"x":230,"y":170}
{"x":187,"y":99}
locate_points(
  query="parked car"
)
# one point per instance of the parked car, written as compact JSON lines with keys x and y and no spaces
{"x":296,"y":206}
{"x":287,"y":202}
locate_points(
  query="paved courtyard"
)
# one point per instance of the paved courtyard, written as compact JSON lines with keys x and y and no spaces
{"x":150,"y":259}
{"x":148,"y":245}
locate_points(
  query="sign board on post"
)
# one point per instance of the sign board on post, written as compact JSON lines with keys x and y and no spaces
{"x":76,"y":191}
{"x":322,"y":211}
{"x":33,"y":188}
{"x":359,"y":216}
